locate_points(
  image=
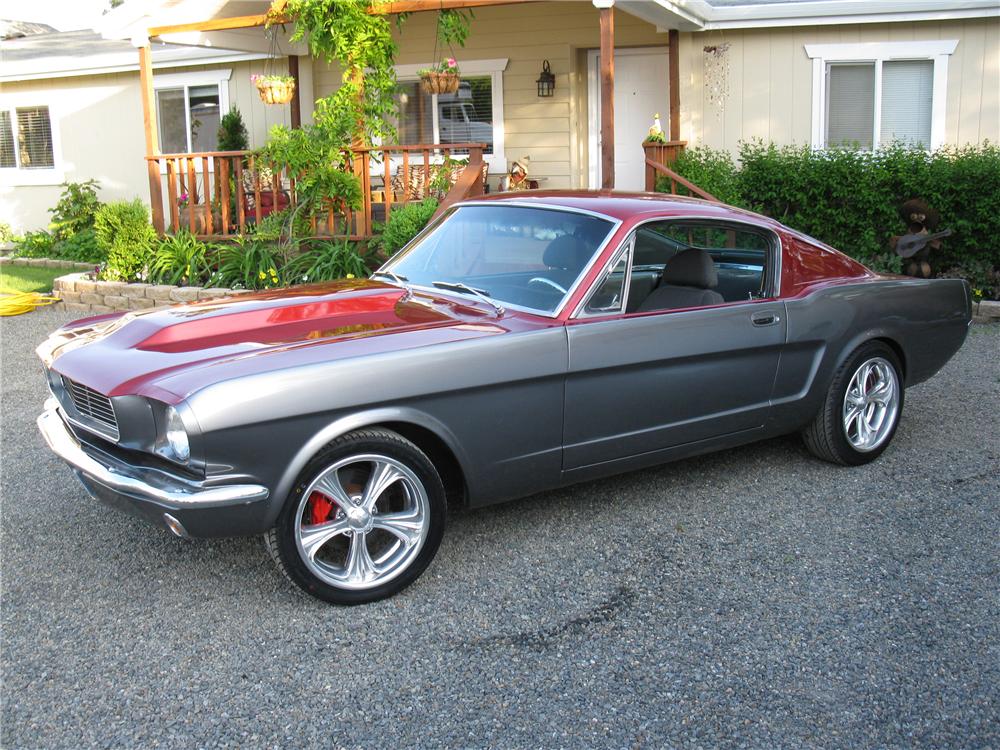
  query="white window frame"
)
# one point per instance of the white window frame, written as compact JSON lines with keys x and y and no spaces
{"x":22,"y":176}
{"x":473,"y":68}
{"x":186,"y":81}
{"x":877,"y":53}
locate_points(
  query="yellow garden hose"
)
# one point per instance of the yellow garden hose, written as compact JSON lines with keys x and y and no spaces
{"x":18,"y":304}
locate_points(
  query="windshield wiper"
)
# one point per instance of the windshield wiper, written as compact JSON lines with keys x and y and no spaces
{"x":395,"y":278}
{"x":458,"y":286}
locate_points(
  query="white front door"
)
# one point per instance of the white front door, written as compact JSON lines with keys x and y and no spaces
{"x":641,"y":91}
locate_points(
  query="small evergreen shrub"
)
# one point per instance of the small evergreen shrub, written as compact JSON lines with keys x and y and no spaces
{"x":125,"y":234}
{"x":232,"y":132}
{"x":404,"y":224}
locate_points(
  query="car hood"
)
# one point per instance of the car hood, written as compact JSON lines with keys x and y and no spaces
{"x":172,"y":352}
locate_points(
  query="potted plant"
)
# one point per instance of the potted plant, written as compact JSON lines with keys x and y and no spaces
{"x":274,"y":89}
{"x":442,"y":78}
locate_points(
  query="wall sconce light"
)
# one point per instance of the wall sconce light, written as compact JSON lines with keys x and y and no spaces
{"x":546,"y":81}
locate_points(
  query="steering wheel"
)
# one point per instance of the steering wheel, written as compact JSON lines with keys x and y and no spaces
{"x":548,"y":282}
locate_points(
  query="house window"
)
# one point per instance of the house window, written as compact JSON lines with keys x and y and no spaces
{"x":473,"y":114}
{"x":189,"y":108}
{"x":26,"y":138}
{"x":879,"y":93}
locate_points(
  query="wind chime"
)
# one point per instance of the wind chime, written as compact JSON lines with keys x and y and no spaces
{"x":274,"y":88}
{"x":717,"y":76}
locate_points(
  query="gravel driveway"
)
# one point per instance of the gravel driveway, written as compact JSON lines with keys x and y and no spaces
{"x":752,"y":598}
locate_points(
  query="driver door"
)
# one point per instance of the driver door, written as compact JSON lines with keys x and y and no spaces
{"x":648,"y":381}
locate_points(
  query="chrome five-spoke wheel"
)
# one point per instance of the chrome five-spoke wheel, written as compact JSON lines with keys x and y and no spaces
{"x":862,"y":407}
{"x":364,"y":520}
{"x":871,"y":404}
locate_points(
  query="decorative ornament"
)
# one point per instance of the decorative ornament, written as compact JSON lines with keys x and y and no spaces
{"x":717,"y":75}
{"x":656,"y":131}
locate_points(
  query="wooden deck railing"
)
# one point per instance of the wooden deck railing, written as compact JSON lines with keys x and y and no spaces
{"x":658,"y":158}
{"x":220,"y":194}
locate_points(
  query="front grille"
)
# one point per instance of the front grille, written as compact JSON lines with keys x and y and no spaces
{"x":92,"y":404}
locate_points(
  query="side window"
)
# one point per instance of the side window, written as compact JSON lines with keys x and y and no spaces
{"x":698,"y":264}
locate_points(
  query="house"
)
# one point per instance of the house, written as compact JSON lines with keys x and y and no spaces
{"x":717,"y":71}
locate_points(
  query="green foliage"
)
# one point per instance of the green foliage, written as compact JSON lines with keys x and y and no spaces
{"x":232,"y":133}
{"x":248,"y":263}
{"x":453,"y":25}
{"x":327,"y":261}
{"x":405,"y":223}
{"x":710,"y":169}
{"x":34,"y":245}
{"x":125,"y":234}
{"x":344,"y":31}
{"x":849,"y":199}
{"x":6,"y":232}
{"x":81,"y":247}
{"x":75,"y":209}
{"x":180,"y":259}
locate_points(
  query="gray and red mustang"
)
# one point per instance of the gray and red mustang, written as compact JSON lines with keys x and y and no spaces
{"x":520,"y":343}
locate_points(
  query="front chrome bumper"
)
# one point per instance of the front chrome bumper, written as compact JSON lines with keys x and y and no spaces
{"x":203,"y":510}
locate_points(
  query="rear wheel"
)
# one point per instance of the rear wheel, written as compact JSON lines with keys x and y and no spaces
{"x":862,"y":408}
{"x":364,"y":520}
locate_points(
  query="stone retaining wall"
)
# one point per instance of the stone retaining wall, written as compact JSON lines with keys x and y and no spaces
{"x":81,"y":294}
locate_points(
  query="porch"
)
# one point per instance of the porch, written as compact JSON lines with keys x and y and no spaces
{"x":228,"y":191}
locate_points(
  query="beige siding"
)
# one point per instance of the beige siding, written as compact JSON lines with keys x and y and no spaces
{"x":98,"y":134}
{"x":770,"y":80}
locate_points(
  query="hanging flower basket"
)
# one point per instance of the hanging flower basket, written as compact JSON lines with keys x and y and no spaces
{"x":274,"y":89}
{"x":443,"y":78}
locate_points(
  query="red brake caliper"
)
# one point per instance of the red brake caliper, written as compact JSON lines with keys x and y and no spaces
{"x":320,"y":508}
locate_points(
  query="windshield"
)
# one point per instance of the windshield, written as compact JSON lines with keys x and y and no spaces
{"x":518,"y":255}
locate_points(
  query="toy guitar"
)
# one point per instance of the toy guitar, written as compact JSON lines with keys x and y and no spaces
{"x":910,"y":244}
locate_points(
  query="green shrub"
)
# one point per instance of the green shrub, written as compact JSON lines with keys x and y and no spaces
{"x":180,"y":259}
{"x":75,"y":209}
{"x":125,"y":234}
{"x":710,"y":169}
{"x":850,"y":199}
{"x":34,"y":245}
{"x":248,"y":263}
{"x":6,"y":233}
{"x":327,"y":261}
{"x":404,"y":224}
{"x":81,"y":247}
{"x":232,"y":132}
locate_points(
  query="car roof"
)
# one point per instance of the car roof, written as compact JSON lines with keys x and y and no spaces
{"x":625,"y":205}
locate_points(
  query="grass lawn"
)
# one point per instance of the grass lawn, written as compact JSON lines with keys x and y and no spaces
{"x":15,"y":279}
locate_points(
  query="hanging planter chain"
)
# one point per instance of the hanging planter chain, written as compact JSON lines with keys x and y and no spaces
{"x":274,"y":88}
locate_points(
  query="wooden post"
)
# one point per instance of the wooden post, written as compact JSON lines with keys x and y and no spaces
{"x":607,"y":93}
{"x":295,"y":104}
{"x":674,"y":72}
{"x":152,"y":139}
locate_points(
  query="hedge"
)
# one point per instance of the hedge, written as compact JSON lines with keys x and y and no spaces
{"x":850,"y":198}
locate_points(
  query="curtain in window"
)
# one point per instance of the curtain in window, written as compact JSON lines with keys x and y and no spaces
{"x":34,"y":137}
{"x":907,"y":91}
{"x":850,"y":104}
{"x":7,"y":158}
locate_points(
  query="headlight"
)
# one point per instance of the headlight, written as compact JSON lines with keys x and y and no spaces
{"x":177,"y":437}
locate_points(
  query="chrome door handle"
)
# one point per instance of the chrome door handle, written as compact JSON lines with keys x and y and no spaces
{"x":765,"y":319}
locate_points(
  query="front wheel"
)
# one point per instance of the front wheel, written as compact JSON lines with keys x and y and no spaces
{"x":862,"y":408}
{"x":364,"y":520}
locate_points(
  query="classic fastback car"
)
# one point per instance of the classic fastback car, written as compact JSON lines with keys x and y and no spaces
{"x":519,"y":344}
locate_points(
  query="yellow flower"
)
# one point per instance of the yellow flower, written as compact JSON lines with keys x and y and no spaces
{"x":350,"y":275}
{"x":263,"y":275}
{"x":273,"y":271}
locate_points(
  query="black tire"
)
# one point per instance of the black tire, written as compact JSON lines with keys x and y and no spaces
{"x":827,"y":437}
{"x":283,"y":543}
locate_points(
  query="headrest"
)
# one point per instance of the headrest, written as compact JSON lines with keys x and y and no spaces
{"x":567,"y":251}
{"x":691,"y":267}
